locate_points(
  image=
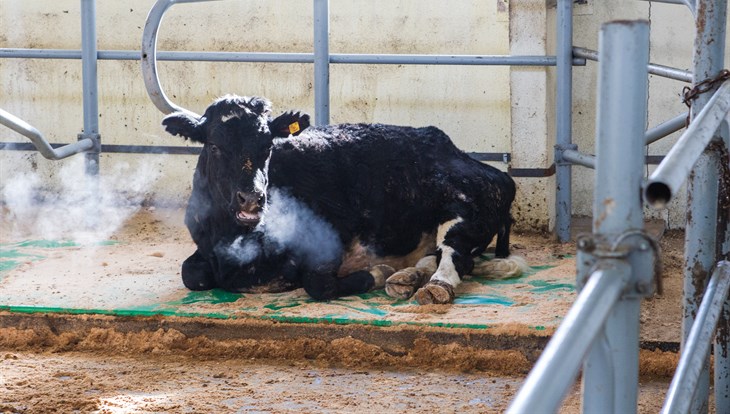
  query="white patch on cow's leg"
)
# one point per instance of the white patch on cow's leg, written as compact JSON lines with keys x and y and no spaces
{"x":444,"y":228}
{"x":440,"y":288}
{"x":446,"y":271}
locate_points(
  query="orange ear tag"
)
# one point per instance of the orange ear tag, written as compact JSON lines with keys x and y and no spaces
{"x":294,"y":128}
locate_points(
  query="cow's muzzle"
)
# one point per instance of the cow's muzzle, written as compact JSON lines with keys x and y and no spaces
{"x":250,"y":207}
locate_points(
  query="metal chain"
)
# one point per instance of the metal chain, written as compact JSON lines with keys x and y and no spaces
{"x":690,"y":94}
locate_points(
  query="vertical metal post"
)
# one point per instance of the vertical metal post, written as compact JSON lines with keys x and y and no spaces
{"x":564,"y":121}
{"x":321,"y":62}
{"x":702,"y":187}
{"x":617,"y":209}
{"x":722,"y":338}
{"x":90,"y":85}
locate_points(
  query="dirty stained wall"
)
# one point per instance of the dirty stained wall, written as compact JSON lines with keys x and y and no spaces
{"x":470,"y":103}
{"x":484,"y":109}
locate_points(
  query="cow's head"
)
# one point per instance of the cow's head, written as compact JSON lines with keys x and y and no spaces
{"x":237,"y":135}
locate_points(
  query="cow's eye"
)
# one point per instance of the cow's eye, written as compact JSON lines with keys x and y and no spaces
{"x":215,"y":150}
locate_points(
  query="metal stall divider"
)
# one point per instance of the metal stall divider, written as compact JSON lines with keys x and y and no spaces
{"x":601,"y":330}
{"x":89,"y":140}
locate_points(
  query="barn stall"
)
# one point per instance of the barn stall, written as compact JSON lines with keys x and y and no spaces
{"x":91,"y":245}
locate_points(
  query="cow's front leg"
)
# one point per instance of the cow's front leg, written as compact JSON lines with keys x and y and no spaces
{"x":403,"y":283}
{"x":322,"y":282}
{"x":455,"y":243}
{"x":197,"y":272}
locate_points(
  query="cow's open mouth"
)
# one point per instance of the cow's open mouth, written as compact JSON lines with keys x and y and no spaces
{"x":245,"y":218}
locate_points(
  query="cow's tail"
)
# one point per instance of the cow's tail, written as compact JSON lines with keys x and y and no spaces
{"x":509,"y":267}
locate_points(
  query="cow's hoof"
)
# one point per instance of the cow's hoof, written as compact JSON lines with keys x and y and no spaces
{"x":435,"y":292}
{"x":403,"y":283}
{"x":380,"y":274}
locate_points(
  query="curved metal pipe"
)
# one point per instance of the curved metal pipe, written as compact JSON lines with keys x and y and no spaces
{"x":149,"y":57}
{"x":24,"y":128}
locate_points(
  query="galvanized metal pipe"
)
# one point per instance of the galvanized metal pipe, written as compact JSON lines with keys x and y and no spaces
{"x":321,"y":62}
{"x":556,"y":369}
{"x":722,"y":337}
{"x":269,"y":57}
{"x":622,"y":113}
{"x":89,"y":81}
{"x":579,"y":158}
{"x":149,"y":56}
{"x":620,"y":126}
{"x":652,"y":135}
{"x":599,"y":391}
{"x":701,"y":231}
{"x":665,"y":128}
{"x":697,"y":345}
{"x":666,"y":180}
{"x":40,"y":142}
{"x":564,"y":119}
{"x":654,"y":69}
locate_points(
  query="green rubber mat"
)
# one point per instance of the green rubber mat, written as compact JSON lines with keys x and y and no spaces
{"x":142,"y":279}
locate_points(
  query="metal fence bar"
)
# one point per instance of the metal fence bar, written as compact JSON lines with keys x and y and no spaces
{"x":558,"y":365}
{"x":89,"y":79}
{"x":321,"y":62}
{"x":270,"y":57}
{"x":701,"y":238}
{"x":652,"y":135}
{"x":654,"y":69}
{"x":39,"y":141}
{"x":321,"y":58}
{"x":697,"y":346}
{"x":621,"y":120}
{"x":665,"y":128}
{"x":149,"y":58}
{"x":579,"y":158}
{"x":666,"y":180}
{"x":564,"y":120}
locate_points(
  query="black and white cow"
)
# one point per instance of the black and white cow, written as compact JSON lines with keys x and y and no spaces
{"x":277,"y":205}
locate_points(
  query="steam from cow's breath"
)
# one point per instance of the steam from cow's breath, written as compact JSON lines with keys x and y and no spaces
{"x":79,"y":208}
{"x":289,"y":225}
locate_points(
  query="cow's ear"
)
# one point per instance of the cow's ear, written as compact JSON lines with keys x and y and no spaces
{"x":289,"y":123}
{"x":185,"y":125}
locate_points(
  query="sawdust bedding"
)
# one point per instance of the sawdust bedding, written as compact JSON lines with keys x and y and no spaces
{"x":164,"y":371}
{"x":146,"y":252}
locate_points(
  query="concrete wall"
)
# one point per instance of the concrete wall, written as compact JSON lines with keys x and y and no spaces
{"x":470,"y":103}
{"x":484,"y":109}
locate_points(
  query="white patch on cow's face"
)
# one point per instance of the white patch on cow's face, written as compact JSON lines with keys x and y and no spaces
{"x":235,"y":115}
{"x":226,"y":118}
{"x":261,"y":180}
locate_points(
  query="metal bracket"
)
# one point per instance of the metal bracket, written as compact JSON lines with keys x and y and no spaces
{"x":559,"y":148}
{"x":636,"y":247}
{"x":95,"y":141}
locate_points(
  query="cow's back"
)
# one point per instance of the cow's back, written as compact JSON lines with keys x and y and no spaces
{"x":386,"y":185}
